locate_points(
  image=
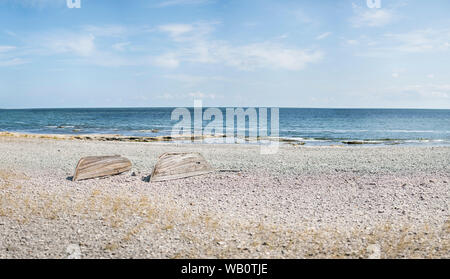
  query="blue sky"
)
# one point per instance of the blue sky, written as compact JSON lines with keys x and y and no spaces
{"x":140,"y":53}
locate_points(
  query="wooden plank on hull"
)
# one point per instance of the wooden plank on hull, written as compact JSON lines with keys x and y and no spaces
{"x":175,"y":165}
{"x":100,"y":166}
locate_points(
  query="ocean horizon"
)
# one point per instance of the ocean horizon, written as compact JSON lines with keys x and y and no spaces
{"x":313,"y":126}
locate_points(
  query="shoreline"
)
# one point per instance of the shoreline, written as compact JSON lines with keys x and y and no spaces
{"x":302,"y":202}
{"x":216,"y":139}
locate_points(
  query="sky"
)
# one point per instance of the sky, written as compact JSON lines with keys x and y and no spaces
{"x":271,"y":53}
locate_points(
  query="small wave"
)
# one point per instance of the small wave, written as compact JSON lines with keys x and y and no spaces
{"x":60,"y":126}
{"x":426,"y":140}
{"x":413,"y":131}
{"x":306,"y":139}
{"x":149,"y":131}
{"x":362,"y":142}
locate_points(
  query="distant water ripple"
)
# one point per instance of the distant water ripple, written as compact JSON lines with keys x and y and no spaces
{"x":311,"y":126}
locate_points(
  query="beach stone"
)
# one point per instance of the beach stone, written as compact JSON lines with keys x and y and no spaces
{"x":374,"y":251}
{"x":292,"y":200}
{"x":73,"y":251}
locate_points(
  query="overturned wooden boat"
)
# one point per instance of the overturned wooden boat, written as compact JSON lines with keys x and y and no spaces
{"x":175,"y":165}
{"x":100,"y":166}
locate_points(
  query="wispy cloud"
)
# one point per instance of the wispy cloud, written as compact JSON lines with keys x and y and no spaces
{"x":186,"y":43}
{"x":188,"y":80}
{"x":416,"y":41}
{"x":265,"y":55}
{"x":166,"y":96}
{"x":10,"y":33}
{"x":323,"y":36}
{"x":167,"y":60}
{"x":82,"y":45}
{"x":364,"y":16}
{"x":12,"y":62}
{"x":201,"y":95}
{"x":176,"y":30}
{"x":121,"y":46}
{"x":197,"y":47}
{"x":106,"y":30}
{"x":9,"y":56}
{"x":6,"y":48}
{"x":420,"y":40}
{"x":190,"y":95}
{"x":352,"y":42}
{"x":268,"y":55}
{"x":194,"y":80}
{"x":187,"y":32}
{"x":439,"y":91}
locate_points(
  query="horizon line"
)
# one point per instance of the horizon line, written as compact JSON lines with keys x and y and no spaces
{"x":280,"y":107}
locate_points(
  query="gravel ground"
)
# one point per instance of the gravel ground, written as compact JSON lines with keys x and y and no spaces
{"x":303,"y":202}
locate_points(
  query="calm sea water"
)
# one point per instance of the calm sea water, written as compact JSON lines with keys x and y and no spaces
{"x":313,"y":126}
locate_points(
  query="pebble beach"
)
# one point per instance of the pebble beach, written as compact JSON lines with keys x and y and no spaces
{"x":302,"y":202}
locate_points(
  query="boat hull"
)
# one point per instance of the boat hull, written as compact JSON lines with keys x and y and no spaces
{"x":176,"y":165}
{"x":100,"y":166}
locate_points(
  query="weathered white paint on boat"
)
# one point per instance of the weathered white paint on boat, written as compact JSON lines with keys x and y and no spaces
{"x":100,"y":166}
{"x":175,"y":165}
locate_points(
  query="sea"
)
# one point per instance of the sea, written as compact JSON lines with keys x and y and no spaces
{"x":311,"y":126}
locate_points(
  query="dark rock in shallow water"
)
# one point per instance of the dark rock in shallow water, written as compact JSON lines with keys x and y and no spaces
{"x":353,"y":142}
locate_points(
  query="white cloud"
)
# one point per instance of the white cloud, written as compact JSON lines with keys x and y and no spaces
{"x":166,"y":96}
{"x":323,"y":36}
{"x":176,"y":30}
{"x":82,"y":45}
{"x":352,"y":42}
{"x":107,"y":59}
{"x":201,"y":95}
{"x":8,"y":56}
{"x":247,"y":57}
{"x":191,"y":44}
{"x":416,"y":41}
{"x":6,"y":48}
{"x":395,"y":75}
{"x":191,"y":95}
{"x":439,"y":91}
{"x":168,"y":60}
{"x":187,"y":79}
{"x":420,"y":40}
{"x":12,"y":62}
{"x":188,"y":32}
{"x":194,"y":80}
{"x":267,"y":55}
{"x":195,"y":47}
{"x":121,"y":46}
{"x":371,"y":17}
{"x":106,"y":30}
{"x":10,"y":33}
